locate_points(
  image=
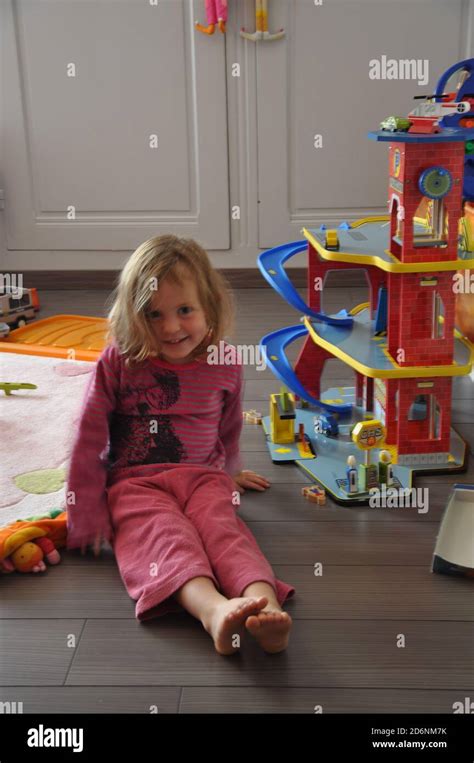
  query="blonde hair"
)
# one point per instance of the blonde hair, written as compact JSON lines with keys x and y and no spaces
{"x":175,"y":259}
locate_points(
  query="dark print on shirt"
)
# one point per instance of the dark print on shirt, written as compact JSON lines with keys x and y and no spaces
{"x":141,"y":436}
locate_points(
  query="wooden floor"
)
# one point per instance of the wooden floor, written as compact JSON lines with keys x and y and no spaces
{"x":70,"y":641}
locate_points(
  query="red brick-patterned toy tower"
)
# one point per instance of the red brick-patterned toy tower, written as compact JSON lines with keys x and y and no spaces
{"x":424,"y":176}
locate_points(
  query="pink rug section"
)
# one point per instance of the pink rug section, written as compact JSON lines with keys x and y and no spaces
{"x":37,"y":429}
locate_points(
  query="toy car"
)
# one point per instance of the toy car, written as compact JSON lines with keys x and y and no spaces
{"x":252,"y":416}
{"x":394,"y":124}
{"x":17,"y":306}
{"x":426,"y":116}
{"x":424,"y":125}
{"x":332,"y":240}
{"x":315,"y":494}
{"x":326,"y":424}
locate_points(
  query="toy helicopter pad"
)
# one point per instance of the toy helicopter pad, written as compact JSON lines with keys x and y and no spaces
{"x":329,"y":463}
{"x":79,"y":337}
{"x":357,"y":346}
{"x":366,"y":242}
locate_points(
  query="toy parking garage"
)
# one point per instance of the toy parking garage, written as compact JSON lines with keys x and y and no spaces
{"x":403,"y":344}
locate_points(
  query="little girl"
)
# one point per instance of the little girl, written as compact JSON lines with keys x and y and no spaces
{"x":156,"y":467}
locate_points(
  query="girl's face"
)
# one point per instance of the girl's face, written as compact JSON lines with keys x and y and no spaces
{"x":177,"y":320}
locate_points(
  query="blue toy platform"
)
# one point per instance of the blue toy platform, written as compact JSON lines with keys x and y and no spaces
{"x":328,"y":462}
{"x":361,"y":350}
{"x":367,"y":243}
{"x":448,"y":135}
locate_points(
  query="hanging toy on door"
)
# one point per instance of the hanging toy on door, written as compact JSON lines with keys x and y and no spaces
{"x":216,"y":12}
{"x":261,"y":23}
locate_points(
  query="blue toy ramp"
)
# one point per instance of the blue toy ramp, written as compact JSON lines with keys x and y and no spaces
{"x":271,"y":266}
{"x":273,"y":346}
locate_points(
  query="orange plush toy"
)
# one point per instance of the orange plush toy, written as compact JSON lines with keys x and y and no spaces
{"x":465,"y":314}
{"x":27,"y":542}
{"x":465,"y":290}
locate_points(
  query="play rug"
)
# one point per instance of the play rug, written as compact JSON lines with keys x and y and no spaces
{"x":37,"y":429}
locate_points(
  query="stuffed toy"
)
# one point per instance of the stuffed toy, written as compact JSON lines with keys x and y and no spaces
{"x":465,"y":295}
{"x":465,"y":315}
{"x":216,"y":12}
{"x":25,"y":544}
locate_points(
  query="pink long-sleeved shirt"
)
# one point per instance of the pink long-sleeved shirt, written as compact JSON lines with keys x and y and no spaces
{"x":135,"y":421}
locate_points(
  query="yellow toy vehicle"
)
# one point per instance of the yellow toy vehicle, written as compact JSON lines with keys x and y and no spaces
{"x":332,"y":240}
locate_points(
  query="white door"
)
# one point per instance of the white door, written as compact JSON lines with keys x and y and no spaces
{"x":114,"y":125}
{"x":316,"y":101}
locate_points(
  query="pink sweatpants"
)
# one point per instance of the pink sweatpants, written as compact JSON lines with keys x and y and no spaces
{"x":179,"y":524}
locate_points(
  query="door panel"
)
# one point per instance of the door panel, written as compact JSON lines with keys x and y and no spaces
{"x":84,"y":141}
{"x":316,"y":82}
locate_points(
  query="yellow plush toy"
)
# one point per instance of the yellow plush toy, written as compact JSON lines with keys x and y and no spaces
{"x":26,"y":543}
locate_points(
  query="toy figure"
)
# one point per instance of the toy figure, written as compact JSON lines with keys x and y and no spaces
{"x":216,"y":11}
{"x":385,"y":468}
{"x":29,"y":556}
{"x":351,"y":472}
{"x":24,"y":544}
{"x":7,"y":387}
{"x":314,"y":494}
{"x":252,"y":416}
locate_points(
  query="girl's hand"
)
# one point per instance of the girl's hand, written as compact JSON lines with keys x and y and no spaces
{"x":96,"y":545}
{"x":249,"y":479}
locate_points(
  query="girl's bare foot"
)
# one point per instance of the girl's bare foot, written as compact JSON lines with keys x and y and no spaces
{"x":271,"y":628}
{"x":228,"y":619}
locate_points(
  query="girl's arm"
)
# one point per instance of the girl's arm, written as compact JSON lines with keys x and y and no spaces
{"x":87,"y":510}
{"x":230,"y":427}
{"x":230,"y":430}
